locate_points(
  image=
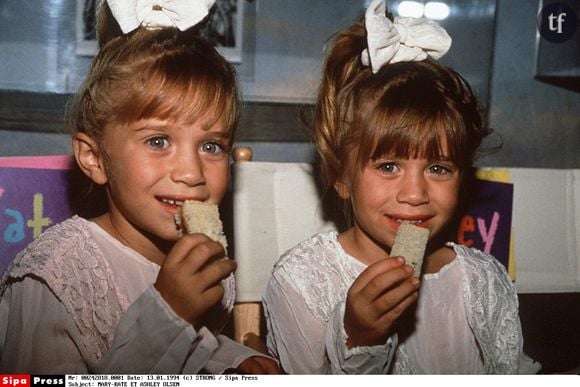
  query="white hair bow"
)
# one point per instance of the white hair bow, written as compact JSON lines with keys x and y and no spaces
{"x":152,"y":14}
{"x":405,"y":39}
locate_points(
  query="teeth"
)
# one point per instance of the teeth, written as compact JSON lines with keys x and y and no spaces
{"x":172,"y":202}
{"x":406,"y":221}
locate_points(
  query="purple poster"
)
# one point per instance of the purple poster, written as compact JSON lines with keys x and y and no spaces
{"x":487,"y":223}
{"x":31,"y":200}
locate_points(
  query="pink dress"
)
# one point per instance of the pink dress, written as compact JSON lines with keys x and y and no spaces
{"x":78,"y":301}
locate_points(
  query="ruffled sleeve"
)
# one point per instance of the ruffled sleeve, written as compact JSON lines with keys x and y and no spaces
{"x":358,"y":360}
{"x":304,"y":308}
{"x":62,"y":311}
{"x":492,"y":309}
{"x":151,"y":338}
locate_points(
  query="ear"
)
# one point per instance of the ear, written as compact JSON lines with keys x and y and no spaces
{"x":342,"y":189}
{"x":89,"y":158}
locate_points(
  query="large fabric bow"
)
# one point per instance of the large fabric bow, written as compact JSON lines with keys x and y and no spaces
{"x":405,"y":39}
{"x":152,"y":14}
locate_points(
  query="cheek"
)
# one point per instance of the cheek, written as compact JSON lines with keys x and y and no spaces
{"x":449,"y":197}
{"x":218,"y":178}
{"x":133,"y":172}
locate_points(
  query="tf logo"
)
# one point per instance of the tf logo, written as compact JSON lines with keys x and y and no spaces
{"x":557,"y":22}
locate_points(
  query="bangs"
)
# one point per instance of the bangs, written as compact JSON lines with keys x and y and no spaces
{"x":428,"y":138}
{"x":404,"y":126}
{"x":173,"y":89}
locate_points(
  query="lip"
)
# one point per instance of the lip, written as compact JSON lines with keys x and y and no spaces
{"x":171,"y":203}
{"x":418,"y":220}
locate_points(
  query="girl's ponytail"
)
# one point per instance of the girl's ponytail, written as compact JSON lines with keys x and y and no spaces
{"x":342,"y":70}
{"x":107,"y":26}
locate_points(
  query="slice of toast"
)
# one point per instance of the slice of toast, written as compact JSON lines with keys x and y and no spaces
{"x":410,"y":243}
{"x":198,"y":217}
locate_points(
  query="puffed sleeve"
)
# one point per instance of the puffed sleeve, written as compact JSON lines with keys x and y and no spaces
{"x":37,"y":335}
{"x":307,"y":345}
{"x":152,"y":338}
{"x":229,"y":355}
{"x":358,"y":360}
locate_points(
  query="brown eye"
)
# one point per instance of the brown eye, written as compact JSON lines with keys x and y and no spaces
{"x":439,"y":169}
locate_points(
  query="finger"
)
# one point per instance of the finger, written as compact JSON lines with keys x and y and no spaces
{"x":250,"y":366}
{"x":375,"y":269}
{"x":393,"y":314}
{"x":395,"y":296}
{"x":269,"y":366}
{"x":183,"y":247}
{"x":212,"y":295}
{"x":215,"y":272}
{"x":203,"y":254}
{"x":385,"y":282}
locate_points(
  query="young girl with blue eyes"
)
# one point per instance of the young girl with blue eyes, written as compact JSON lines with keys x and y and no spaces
{"x":396,"y":134}
{"x":123,"y":292}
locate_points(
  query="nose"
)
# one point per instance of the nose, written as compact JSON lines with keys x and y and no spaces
{"x":187,"y":169}
{"x":413,"y":189}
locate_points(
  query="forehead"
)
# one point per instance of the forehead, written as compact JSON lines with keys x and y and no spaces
{"x":203,"y":125}
{"x":419,"y":140}
{"x":181,"y":106}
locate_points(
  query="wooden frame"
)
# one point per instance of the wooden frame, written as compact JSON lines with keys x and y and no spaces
{"x":45,"y":112}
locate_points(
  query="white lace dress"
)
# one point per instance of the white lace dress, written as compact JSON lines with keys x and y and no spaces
{"x":78,"y":301}
{"x":466,"y":318}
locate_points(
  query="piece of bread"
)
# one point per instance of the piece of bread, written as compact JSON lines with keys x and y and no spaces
{"x":198,"y":217}
{"x":410,"y":243}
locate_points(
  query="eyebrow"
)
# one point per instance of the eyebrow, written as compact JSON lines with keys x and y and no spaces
{"x":147,"y":126}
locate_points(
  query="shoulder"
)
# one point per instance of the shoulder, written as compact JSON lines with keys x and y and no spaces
{"x":52,"y":249}
{"x":484,"y":273}
{"x":308,"y":251}
{"x":67,"y":260}
{"x":317,"y":270}
{"x":492,"y":309}
{"x":478,"y":260}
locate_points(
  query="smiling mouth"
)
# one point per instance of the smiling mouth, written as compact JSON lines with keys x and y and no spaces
{"x":406,"y":221}
{"x":415,"y":222}
{"x":177,"y":203}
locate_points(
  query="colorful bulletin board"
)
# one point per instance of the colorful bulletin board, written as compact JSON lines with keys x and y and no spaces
{"x":487,"y":223}
{"x":33,"y":196}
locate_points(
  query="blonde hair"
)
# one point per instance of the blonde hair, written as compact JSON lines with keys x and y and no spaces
{"x":407,"y":109}
{"x":163,"y":73}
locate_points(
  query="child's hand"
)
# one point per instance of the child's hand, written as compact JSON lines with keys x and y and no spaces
{"x":189,"y":279}
{"x":376,"y":299}
{"x":258,"y":365}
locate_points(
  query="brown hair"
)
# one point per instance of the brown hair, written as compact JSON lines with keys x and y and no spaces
{"x":406,"y":109}
{"x":163,"y":73}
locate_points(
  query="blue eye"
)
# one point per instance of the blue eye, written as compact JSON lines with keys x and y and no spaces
{"x":212,"y":147}
{"x":158,"y":142}
{"x":387,"y":167}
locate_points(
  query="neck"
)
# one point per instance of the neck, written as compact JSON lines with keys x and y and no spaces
{"x":437,"y":253}
{"x":148,"y":246}
{"x":361,"y":246}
